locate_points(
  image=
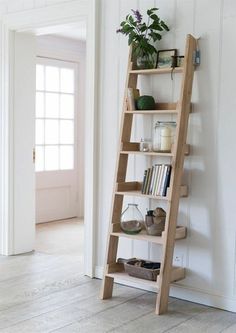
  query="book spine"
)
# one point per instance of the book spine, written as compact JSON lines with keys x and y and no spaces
{"x":157,"y":179}
{"x":136,"y":94}
{"x":132,"y":96}
{"x":160,"y":180}
{"x":152,"y":180}
{"x":144,"y":181}
{"x":163,"y":179}
{"x":130,"y":99}
{"x":167,"y":181}
{"x":147,"y":180}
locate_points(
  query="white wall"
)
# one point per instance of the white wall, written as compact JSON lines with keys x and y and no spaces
{"x":209,"y":251}
{"x":71,"y":50}
{"x":209,"y":213}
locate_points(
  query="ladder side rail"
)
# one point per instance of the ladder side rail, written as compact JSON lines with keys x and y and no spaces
{"x":177,"y":171}
{"x":120,"y":175}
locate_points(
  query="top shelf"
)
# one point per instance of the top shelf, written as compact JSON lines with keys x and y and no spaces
{"x":156,"y":71}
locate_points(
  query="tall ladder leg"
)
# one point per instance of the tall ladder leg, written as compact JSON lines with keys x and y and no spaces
{"x":117,"y":201}
{"x":177,"y":170}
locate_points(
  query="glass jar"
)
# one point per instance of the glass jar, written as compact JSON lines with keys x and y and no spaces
{"x":132,"y":220}
{"x":145,"y":145}
{"x":164,"y":135}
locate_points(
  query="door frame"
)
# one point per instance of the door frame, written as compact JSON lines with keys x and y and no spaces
{"x":26,"y":21}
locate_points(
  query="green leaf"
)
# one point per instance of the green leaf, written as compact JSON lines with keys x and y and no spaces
{"x":143,"y":27}
{"x":164,"y":26}
{"x":154,"y":9}
{"x":131,"y":37}
{"x":155,"y":26}
{"x":127,"y":29}
{"x":131,"y":19}
{"x":155,"y":36}
{"x":150,"y":11}
{"x":154,"y":17}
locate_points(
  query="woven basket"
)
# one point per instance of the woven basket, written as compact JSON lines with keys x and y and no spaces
{"x":141,"y":272}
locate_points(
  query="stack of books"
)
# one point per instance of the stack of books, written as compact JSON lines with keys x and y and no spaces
{"x":156,"y":180}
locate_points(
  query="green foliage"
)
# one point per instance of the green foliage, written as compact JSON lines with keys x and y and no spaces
{"x":141,"y":34}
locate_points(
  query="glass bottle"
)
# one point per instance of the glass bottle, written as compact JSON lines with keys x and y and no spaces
{"x":164,"y":135}
{"x":132,"y":220}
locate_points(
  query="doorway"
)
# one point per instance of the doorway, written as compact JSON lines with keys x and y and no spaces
{"x":59,"y":139}
{"x":14,"y":205}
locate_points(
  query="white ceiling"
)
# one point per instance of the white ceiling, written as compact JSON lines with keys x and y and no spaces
{"x":76,"y":31}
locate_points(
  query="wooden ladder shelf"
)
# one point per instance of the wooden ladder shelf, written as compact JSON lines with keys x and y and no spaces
{"x":168,"y":273}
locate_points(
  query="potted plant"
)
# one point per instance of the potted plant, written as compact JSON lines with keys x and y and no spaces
{"x":143,"y":36}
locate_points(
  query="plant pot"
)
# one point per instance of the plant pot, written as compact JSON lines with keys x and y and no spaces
{"x":145,"y":62}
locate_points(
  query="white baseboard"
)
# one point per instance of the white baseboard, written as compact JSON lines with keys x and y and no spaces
{"x":98,"y":272}
{"x":187,"y":294}
{"x":202,"y":297}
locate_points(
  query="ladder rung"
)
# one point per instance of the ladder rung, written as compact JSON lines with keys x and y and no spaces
{"x":161,"y":108}
{"x":133,"y":148}
{"x":177,"y":274}
{"x":156,"y":112}
{"x":156,"y":71}
{"x":134,"y":189}
{"x":181,"y":233}
{"x":148,"y":153}
{"x":139,"y":194}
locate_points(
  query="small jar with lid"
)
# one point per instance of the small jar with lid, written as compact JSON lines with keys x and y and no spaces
{"x":164,"y":135}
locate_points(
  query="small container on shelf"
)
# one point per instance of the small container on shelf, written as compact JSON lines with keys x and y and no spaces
{"x":177,"y":61}
{"x":155,"y":221}
{"x":145,"y":145}
{"x":164,"y":135}
{"x":132,"y":220}
{"x":142,"y":269}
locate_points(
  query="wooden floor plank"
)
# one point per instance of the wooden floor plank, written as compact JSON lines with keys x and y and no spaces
{"x":210,"y":321}
{"x":179,"y":312}
{"x":114,"y":317}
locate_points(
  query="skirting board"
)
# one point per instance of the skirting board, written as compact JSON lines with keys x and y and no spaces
{"x":187,"y":294}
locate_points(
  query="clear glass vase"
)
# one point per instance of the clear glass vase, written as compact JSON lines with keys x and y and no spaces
{"x":145,"y":62}
{"x":132,"y":220}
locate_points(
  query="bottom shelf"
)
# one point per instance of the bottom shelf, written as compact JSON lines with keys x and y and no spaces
{"x":178,"y":273}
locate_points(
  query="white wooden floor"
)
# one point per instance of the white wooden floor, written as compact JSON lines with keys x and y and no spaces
{"x":45,"y":291}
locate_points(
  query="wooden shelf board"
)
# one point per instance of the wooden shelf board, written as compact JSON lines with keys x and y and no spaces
{"x":141,"y":236}
{"x":134,"y":189}
{"x":180,"y":234}
{"x":148,"y":112}
{"x":139,"y":194}
{"x":156,"y":71}
{"x":148,"y":153}
{"x":124,"y":278}
{"x":178,"y":273}
{"x":133,"y":148}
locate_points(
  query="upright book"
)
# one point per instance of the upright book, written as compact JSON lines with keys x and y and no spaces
{"x":132,"y":96}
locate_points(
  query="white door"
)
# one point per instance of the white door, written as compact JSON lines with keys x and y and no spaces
{"x":23,"y":105}
{"x":56,"y":140}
